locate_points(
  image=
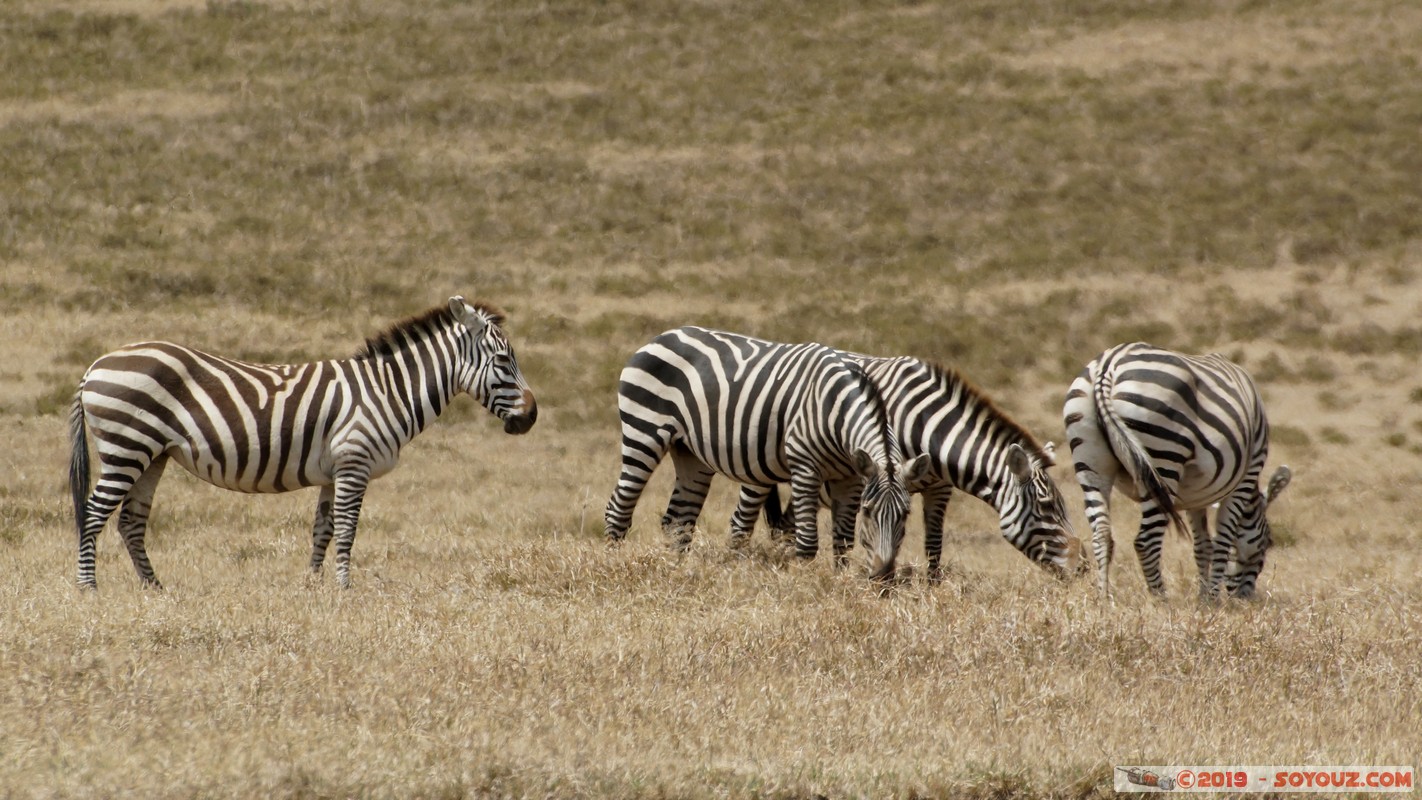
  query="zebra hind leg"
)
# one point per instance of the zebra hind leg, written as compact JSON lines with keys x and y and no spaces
{"x":1096,"y":496}
{"x":1149,"y":543}
{"x":133,"y":520}
{"x":98,"y":508}
{"x":935,"y":508}
{"x":323,"y":528}
{"x":640,"y":456}
{"x":693,"y":482}
{"x":109,"y":493}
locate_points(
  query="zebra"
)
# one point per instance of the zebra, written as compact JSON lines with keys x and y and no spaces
{"x":274,"y":428}
{"x":761,"y":413}
{"x":1179,"y":433}
{"x":972,"y":446}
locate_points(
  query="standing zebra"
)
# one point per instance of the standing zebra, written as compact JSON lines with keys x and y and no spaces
{"x":1179,"y":433}
{"x":761,"y":413}
{"x":274,"y":428}
{"x":973,"y":446}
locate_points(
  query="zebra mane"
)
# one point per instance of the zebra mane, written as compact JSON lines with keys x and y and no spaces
{"x":393,"y":338}
{"x":878,"y":407}
{"x":975,"y":394}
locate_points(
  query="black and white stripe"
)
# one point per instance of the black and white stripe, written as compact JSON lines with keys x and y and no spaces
{"x":1178,"y":433}
{"x":974,"y":447}
{"x":274,"y":428}
{"x":761,"y":413}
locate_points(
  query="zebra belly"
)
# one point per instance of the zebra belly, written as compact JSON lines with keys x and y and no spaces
{"x":1201,"y":488}
{"x":264,"y":476}
{"x":769,"y":473}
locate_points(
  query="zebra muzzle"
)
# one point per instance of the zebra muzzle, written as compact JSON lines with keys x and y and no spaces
{"x":883,"y":571}
{"x":521,"y":423}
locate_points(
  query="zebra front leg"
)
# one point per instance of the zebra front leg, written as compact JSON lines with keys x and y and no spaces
{"x":323,"y":528}
{"x":749,"y":504}
{"x":351,"y":483}
{"x":935,"y":508}
{"x":845,"y":496}
{"x":805,"y":501}
{"x":1242,"y":540}
{"x":133,"y":520}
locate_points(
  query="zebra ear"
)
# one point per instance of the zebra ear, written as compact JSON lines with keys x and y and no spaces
{"x":917,"y":469}
{"x":1019,"y":463}
{"x":1277,"y":482}
{"x":465,"y":315}
{"x":1050,"y":451}
{"x":864,"y":463}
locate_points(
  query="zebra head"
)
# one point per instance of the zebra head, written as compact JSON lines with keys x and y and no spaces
{"x":488,"y":371}
{"x":1254,"y":537}
{"x":884,"y":506}
{"x":1034,"y":516}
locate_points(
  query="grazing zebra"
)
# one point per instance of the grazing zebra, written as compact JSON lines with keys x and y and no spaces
{"x":761,"y":413}
{"x":274,"y":428}
{"x":1177,"y":432}
{"x":972,"y":446}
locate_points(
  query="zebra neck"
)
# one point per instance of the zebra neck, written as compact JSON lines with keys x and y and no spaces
{"x":977,"y":466}
{"x":866,"y":434}
{"x":1003,"y":490}
{"x":417,"y":383}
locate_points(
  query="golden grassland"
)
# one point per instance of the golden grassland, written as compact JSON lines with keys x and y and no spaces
{"x":1007,"y":186}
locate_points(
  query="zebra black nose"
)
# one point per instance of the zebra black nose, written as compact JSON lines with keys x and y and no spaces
{"x":883,"y":572}
{"x":520,"y":423}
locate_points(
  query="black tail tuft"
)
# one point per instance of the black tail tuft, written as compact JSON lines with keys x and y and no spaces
{"x":775,"y":512}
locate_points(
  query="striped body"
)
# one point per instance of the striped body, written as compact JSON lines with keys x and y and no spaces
{"x":1179,"y":433}
{"x":275,"y":428}
{"x":974,"y":447}
{"x":760,"y":413}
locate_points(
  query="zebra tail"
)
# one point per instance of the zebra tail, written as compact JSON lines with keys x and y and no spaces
{"x":79,"y":463}
{"x":774,"y":512}
{"x":1132,"y":454}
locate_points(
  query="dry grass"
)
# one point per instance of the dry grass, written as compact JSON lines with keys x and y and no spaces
{"x":1006,"y":186}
